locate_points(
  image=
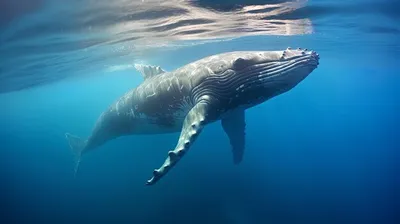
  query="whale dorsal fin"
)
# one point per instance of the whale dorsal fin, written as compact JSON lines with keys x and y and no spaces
{"x":148,"y":71}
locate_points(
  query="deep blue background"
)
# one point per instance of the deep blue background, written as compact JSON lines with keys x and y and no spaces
{"x":325,"y":152}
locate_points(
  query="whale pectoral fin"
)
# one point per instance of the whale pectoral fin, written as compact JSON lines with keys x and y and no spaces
{"x":192,"y":126}
{"x":234,"y":126}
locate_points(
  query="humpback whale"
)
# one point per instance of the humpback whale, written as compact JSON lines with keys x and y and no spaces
{"x":219,"y":87}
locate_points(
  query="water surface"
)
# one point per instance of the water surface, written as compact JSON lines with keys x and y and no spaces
{"x":325,"y":152}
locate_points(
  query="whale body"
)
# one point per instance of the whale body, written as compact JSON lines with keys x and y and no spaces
{"x":216,"y":88}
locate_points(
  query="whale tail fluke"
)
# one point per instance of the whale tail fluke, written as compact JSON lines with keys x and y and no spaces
{"x":77,"y":145}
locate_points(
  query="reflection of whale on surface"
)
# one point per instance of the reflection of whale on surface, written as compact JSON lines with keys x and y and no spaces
{"x":218,"y":87}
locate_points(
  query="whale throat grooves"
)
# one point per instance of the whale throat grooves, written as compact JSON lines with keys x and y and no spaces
{"x":231,"y":87}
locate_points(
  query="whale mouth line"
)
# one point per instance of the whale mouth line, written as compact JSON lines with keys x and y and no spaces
{"x":277,"y":68}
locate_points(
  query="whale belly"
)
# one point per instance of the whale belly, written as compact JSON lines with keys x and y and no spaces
{"x":155,"y":125}
{"x":159,"y":113}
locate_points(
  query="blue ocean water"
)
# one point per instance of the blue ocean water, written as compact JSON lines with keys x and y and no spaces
{"x":324,"y":152}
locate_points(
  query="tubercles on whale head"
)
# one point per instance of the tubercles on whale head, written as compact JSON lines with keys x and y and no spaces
{"x":292,"y":67}
{"x":293,"y":54}
{"x":266,"y":62}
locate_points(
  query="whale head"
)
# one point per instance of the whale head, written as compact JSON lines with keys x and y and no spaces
{"x":276,"y":69}
{"x":260,"y":75}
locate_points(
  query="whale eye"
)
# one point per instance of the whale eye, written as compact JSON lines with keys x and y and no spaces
{"x":239,"y":63}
